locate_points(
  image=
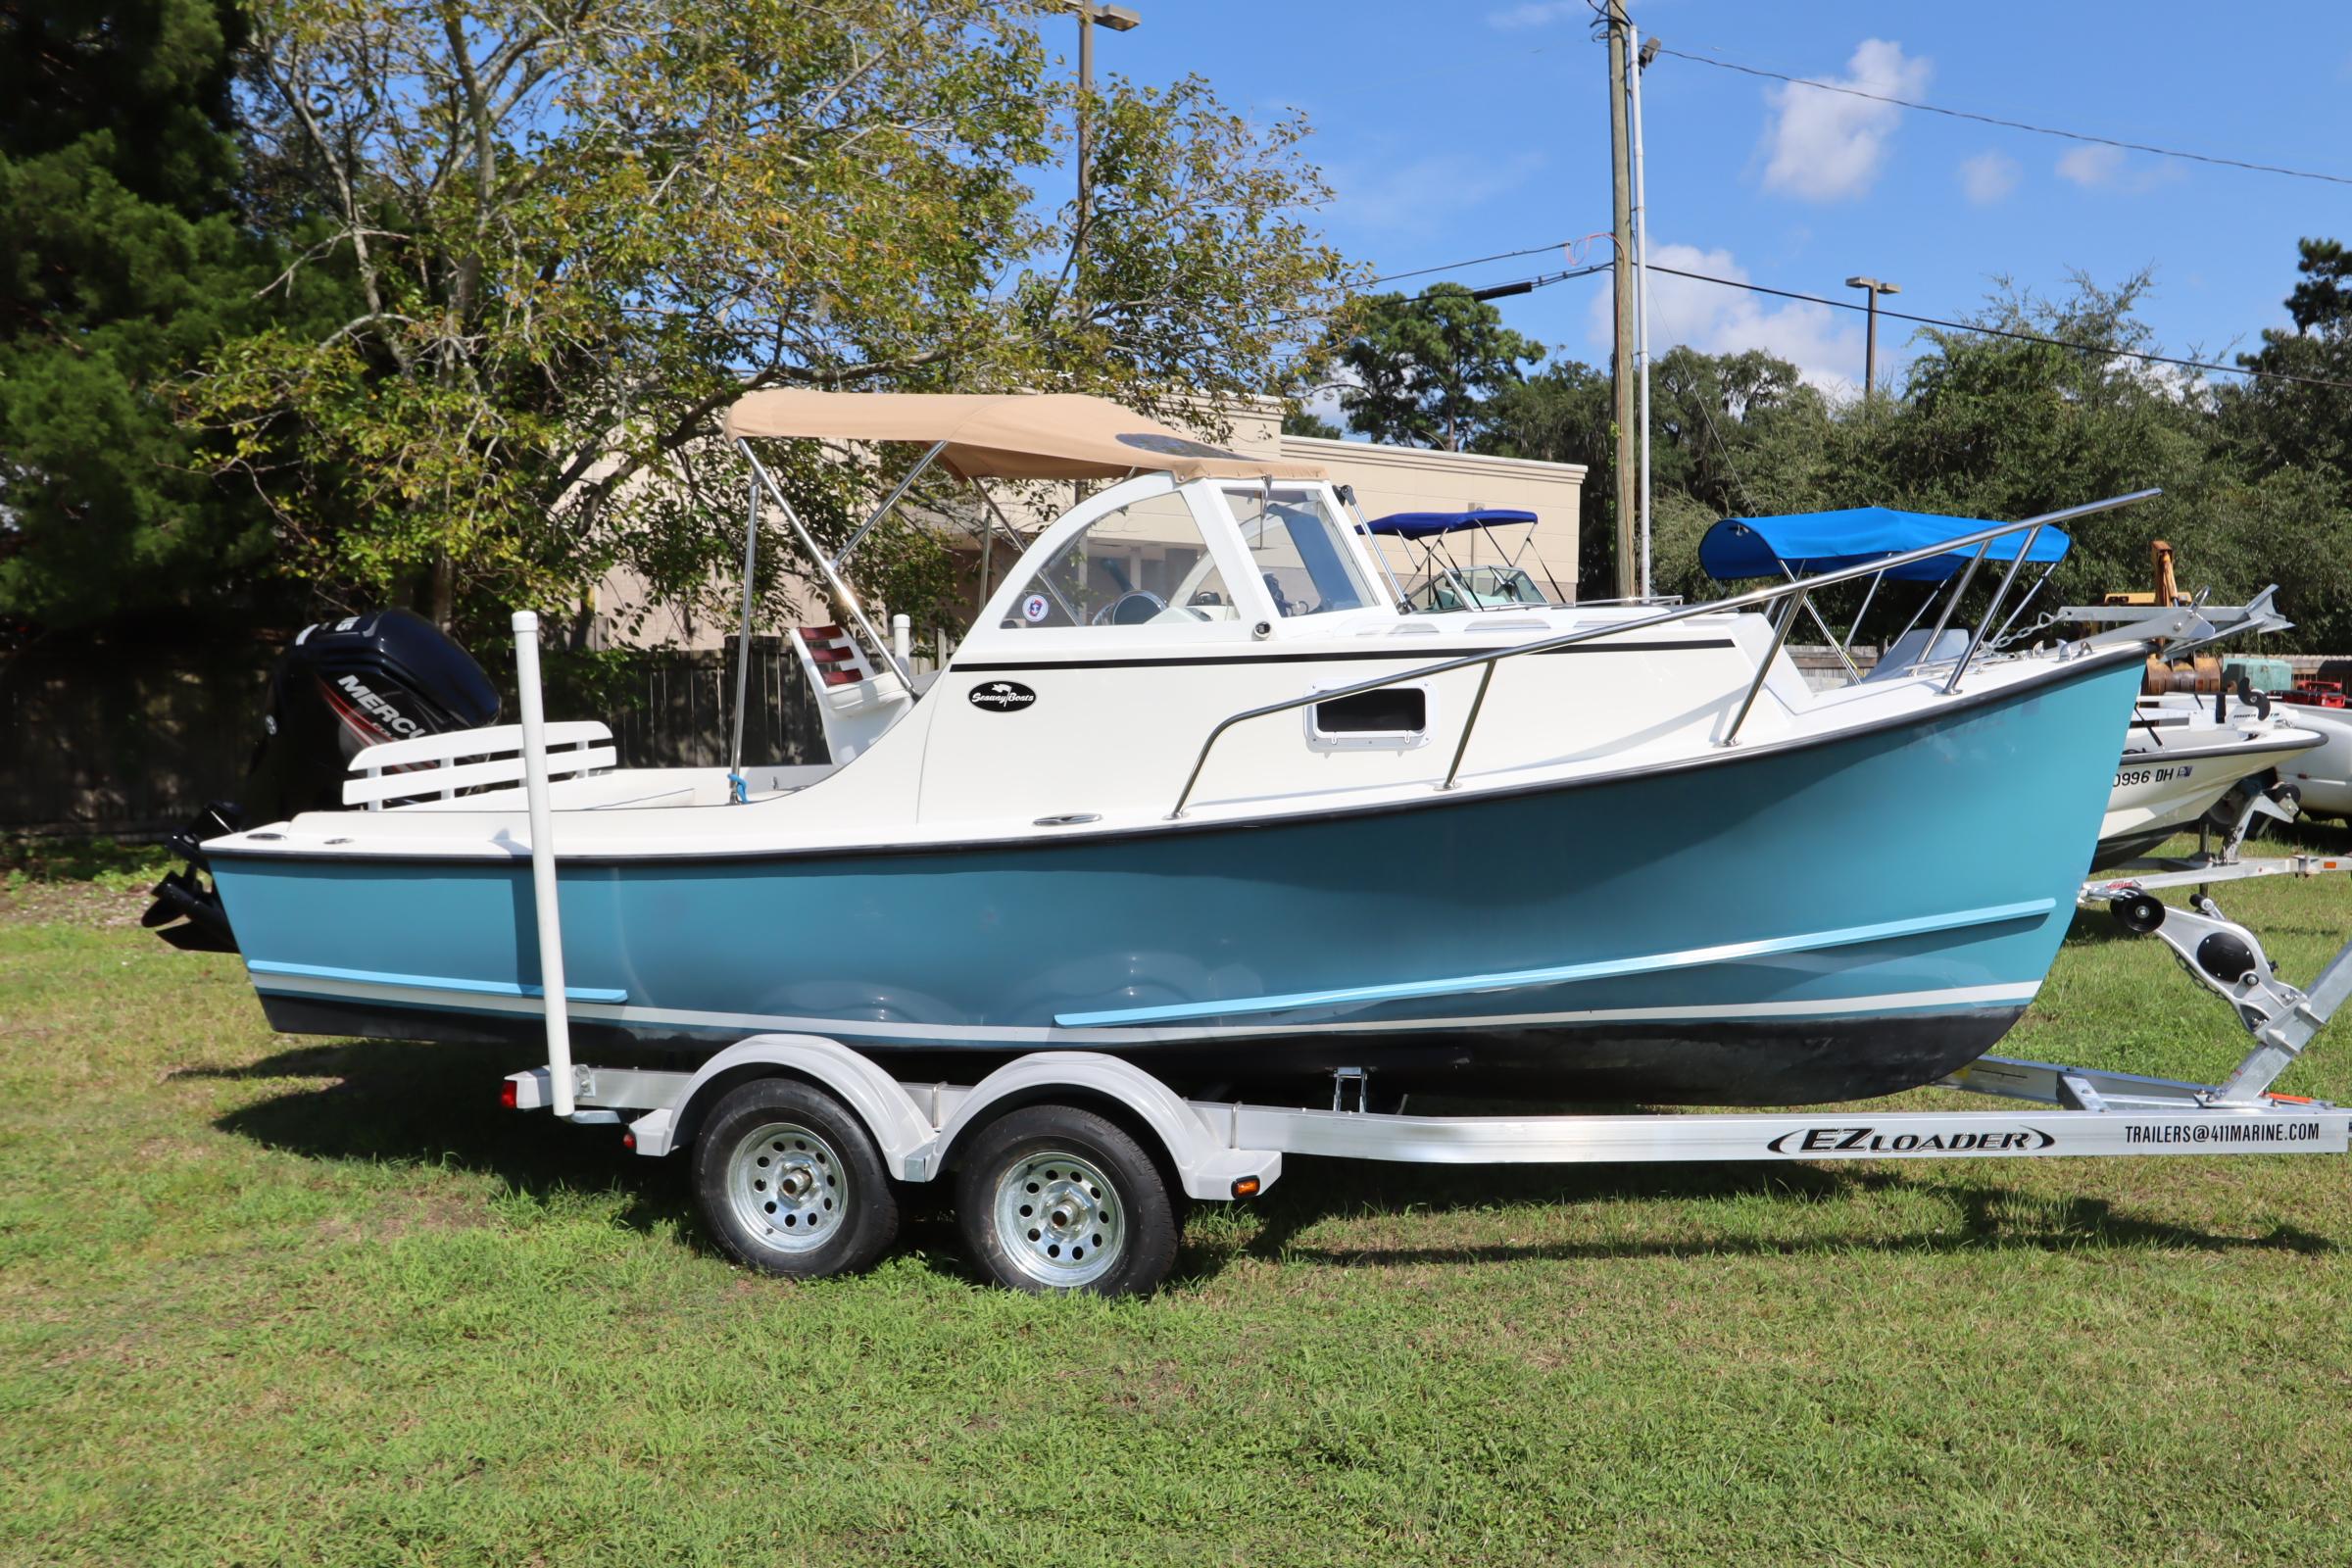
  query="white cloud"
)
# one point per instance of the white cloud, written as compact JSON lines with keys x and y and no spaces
{"x":2092,"y":166}
{"x":1824,"y":344}
{"x":1422,"y":194}
{"x":1538,"y":14}
{"x":1827,"y":146}
{"x":1988,"y":177}
{"x":2100,"y":167}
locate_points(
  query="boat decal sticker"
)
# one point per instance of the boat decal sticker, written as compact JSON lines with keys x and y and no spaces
{"x":1351,"y":656}
{"x":1647,"y":963}
{"x":1034,"y":609}
{"x":1000,"y":696}
{"x":1867,"y":1142}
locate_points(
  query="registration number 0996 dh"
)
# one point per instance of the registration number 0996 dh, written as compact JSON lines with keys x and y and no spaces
{"x":2149,"y":775}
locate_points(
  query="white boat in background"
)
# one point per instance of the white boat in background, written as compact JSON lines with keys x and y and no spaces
{"x":2186,"y":755}
{"x":2322,"y":777}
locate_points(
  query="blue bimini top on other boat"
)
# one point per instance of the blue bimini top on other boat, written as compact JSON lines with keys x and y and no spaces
{"x":1808,"y":542}
{"x":1423,"y":525}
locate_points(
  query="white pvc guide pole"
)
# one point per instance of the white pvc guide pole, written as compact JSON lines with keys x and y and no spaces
{"x":543,"y":859}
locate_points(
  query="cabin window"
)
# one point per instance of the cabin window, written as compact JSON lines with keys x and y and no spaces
{"x":1300,"y":551}
{"x":1385,"y":718}
{"x":1143,"y":564}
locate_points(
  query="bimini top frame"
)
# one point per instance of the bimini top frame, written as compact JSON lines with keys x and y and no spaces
{"x":977,"y":438}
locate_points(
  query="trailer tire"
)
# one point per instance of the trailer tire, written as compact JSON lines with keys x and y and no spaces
{"x":1057,"y":1199}
{"x":788,"y":1181}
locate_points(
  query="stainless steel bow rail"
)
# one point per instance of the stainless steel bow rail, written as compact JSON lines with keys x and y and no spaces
{"x":1797,"y":591}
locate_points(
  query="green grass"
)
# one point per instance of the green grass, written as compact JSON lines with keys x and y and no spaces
{"x":265,"y":1299}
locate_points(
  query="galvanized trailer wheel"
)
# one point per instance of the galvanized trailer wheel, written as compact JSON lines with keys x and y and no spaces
{"x":1054,"y":1199}
{"x":788,"y":1181}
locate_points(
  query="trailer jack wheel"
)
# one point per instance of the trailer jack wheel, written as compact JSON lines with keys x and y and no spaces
{"x":788,"y":1182}
{"x":1056,"y":1199}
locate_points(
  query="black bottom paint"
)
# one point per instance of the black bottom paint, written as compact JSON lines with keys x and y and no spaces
{"x":1801,"y":1061}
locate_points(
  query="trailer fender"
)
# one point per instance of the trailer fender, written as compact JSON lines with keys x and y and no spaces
{"x":898,"y":1126}
{"x":1207,"y":1166}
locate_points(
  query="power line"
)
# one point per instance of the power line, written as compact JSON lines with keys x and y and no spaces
{"x":2008,"y":125}
{"x":2007,"y":333}
{"x":1455,"y":267}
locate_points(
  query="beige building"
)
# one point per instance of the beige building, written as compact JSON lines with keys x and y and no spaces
{"x":1386,"y":480}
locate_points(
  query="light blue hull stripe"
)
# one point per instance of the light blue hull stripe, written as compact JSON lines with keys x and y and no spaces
{"x":737,"y":1024}
{"x":428,"y":982}
{"x":1650,"y":964}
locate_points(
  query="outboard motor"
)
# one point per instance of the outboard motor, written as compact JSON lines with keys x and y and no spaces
{"x":342,"y":687}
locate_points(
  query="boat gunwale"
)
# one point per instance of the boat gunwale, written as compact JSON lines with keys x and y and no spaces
{"x":1952,"y":704}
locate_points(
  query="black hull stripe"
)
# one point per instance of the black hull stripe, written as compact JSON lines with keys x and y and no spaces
{"x":1724,"y":759}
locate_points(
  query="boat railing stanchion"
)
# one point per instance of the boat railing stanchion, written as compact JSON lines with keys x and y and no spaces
{"x":1999,"y":594}
{"x":543,"y":861}
{"x":1952,"y":606}
{"x":1485,"y":678}
{"x":1780,"y":640}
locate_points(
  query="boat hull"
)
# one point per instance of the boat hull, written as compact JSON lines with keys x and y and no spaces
{"x":1852,"y":916}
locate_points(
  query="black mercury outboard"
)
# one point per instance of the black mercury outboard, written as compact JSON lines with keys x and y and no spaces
{"x":342,"y":687}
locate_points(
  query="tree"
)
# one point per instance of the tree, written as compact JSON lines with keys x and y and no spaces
{"x":1423,"y":371}
{"x":126,"y":260}
{"x":2278,"y":424}
{"x":578,"y":235}
{"x":1308,"y":422}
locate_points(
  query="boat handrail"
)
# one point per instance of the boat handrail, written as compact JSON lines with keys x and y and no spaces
{"x":1796,"y":589}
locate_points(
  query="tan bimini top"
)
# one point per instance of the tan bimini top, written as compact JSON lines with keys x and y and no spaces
{"x":1037,"y":435}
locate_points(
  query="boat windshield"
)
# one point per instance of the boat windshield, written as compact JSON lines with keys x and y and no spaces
{"x":1300,"y":551}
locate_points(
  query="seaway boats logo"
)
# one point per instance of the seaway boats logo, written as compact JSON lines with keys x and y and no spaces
{"x":1003,"y":695}
{"x":1871,"y":1140}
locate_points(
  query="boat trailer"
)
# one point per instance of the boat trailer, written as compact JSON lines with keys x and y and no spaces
{"x":1065,"y":1162}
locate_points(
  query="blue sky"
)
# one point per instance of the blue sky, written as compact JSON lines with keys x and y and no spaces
{"x":1455,"y":130}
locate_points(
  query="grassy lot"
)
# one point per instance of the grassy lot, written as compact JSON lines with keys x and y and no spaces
{"x":267,"y":1299}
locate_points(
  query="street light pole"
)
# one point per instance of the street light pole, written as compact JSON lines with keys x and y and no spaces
{"x":1091,"y":14}
{"x":1872,"y":289}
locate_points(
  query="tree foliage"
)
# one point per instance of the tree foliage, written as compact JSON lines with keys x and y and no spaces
{"x":577,"y":235}
{"x":127,"y":261}
{"x":1425,"y":370}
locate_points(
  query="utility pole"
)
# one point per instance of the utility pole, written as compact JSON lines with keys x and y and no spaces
{"x":1872,"y":289}
{"x":1621,"y":362}
{"x":1118,"y":19}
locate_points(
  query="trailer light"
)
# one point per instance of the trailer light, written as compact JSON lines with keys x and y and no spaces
{"x":628,"y":1141}
{"x":509,"y":1094}
{"x":1245,"y":1187}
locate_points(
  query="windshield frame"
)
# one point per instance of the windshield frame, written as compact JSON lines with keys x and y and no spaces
{"x":1247,"y":503}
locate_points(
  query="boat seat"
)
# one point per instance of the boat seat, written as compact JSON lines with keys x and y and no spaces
{"x":858,"y":703}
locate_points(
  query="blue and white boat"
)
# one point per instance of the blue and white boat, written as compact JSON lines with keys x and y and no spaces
{"x":1200,"y":790}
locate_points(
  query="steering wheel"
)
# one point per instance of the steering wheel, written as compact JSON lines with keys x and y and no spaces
{"x":1131,"y":609}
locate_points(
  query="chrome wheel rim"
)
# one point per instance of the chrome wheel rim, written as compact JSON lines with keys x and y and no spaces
{"x":788,"y":1187}
{"x":1059,"y":1219}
